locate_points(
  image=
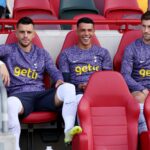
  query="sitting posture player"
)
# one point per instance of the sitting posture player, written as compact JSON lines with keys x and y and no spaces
{"x":22,"y":69}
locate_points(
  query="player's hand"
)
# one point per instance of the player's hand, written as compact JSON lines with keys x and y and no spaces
{"x":58,"y":83}
{"x":82,"y":86}
{"x":5,"y":74}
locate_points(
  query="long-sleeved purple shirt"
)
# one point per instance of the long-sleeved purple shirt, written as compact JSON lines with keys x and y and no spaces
{"x":26,"y":69}
{"x":82,"y":63}
{"x":136,"y":65}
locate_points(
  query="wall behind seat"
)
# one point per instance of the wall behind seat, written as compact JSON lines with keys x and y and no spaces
{"x":53,"y":40}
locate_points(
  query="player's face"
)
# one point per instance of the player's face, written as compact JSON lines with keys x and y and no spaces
{"x":85,"y":32}
{"x":25,"y":34}
{"x":146,"y":30}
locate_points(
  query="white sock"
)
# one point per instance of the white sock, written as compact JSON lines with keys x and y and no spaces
{"x":78,"y":98}
{"x":142,"y":123}
{"x":66,"y":93}
{"x":14,"y":107}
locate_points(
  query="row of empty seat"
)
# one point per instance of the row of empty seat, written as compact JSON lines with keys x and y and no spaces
{"x":69,"y":9}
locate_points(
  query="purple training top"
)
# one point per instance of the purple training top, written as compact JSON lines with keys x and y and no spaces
{"x":82,"y":63}
{"x":136,"y":65}
{"x":26,"y":69}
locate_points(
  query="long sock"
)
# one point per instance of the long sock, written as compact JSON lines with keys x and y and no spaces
{"x":66,"y":93}
{"x":14,"y":107}
{"x":142,"y":123}
{"x":78,"y":98}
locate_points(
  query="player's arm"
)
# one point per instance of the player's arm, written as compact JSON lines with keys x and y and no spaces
{"x":126,"y":70}
{"x":107,"y":62}
{"x":52,"y":70}
{"x":4,"y":74}
{"x":64,"y":67}
{"x":4,"y":53}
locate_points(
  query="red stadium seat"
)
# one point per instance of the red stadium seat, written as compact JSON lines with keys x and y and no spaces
{"x":72,"y":39}
{"x":127,"y":9}
{"x":13,"y":39}
{"x":94,"y":17}
{"x":147,"y":111}
{"x":41,"y":9}
{"x":25,"y":8}
{"x":56,"y":5}
{"x":108,"y":115}
{"x":127,"y":38}
{"x":145,"y":136}
{"x":35,"y":117}
{"x":70,"y":8}
{"x":100,"y":6}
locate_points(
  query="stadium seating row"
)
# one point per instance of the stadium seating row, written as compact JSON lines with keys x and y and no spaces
{"x":69,"y":9}
{"x":112,"y":116}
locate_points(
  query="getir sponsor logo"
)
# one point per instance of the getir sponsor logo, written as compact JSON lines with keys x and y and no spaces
{"x":25,"y":72}
{"x":144,"y":73}
{"x":87,"y":68}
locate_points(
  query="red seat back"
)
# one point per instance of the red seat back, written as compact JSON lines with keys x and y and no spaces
{"x":147,"y":111}
{"x":72,"y":39}
{"x":127,"y":38}
{"x":118,"y":9}
{"x":94,"y":17}
{"x":100,"y":5}
{"x":38,"y":9}
{"x":108,"y":113}
{"x":36,"y":40}
{"x":56,"y":5}
{"x":26,"y":8}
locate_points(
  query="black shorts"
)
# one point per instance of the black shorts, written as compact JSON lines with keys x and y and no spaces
{"x":37,"y":101}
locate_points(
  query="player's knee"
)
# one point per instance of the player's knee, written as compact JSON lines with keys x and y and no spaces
{"x":68,"y":87}
{"x":66,"y":92}
{"x":11,"y":103}
{"x":14,"y":103}
{"x":139,"y":96}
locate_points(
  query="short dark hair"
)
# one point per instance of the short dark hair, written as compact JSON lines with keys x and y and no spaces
{"x":85,"y":20}
{"x":25,"y":20}
{"x":146,"y":16}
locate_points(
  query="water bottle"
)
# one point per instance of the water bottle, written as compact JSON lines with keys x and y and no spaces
{"x":49,"y":148}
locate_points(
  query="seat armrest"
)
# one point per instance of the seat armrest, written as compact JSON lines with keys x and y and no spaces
{"x":145,"y":140}
{"x":80,"y":142}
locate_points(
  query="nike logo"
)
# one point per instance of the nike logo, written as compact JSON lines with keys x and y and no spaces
{"x":142,"y":61}
{"x":74,"y":61}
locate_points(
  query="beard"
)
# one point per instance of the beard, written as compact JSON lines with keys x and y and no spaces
{"x":146,"y":37}
{"x":24,"y":44}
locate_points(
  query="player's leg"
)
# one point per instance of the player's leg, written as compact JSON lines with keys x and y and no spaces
{"x":66,"y":93}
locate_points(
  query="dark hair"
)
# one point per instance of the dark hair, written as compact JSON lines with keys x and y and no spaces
{"x":25,"y":20}
{"x":85,"y":20}
{"x":146,"y":16}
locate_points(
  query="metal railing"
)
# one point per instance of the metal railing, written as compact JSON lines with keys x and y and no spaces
{"x":7,"y":25}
